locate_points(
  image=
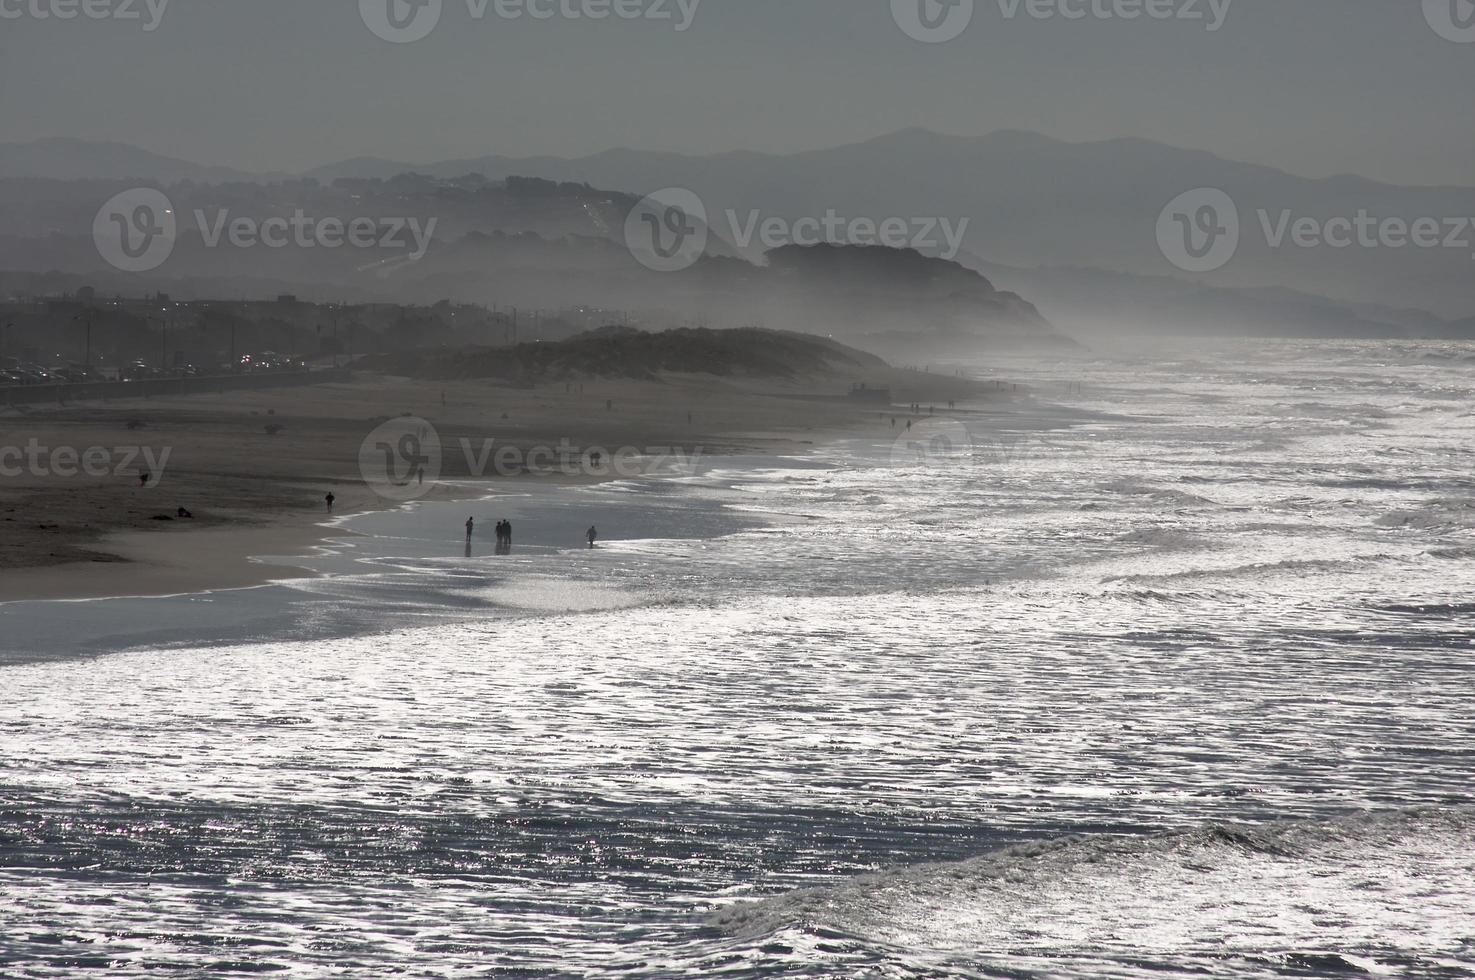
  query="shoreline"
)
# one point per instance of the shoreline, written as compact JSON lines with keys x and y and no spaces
{"x":254,"y":546}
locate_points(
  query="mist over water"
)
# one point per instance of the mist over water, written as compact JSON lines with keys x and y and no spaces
{"x":1181,"y":687}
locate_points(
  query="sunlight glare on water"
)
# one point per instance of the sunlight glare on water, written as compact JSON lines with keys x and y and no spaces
{"x":1181,"y":688}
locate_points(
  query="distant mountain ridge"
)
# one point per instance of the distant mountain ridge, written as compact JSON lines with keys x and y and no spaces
{"x":1037,"y":201}
{"x":1034,"y":203}
{"x":523,"y":242}
{"x":65,"y":158}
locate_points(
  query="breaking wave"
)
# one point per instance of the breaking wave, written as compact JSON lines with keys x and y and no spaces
{"x":1354,"y":894}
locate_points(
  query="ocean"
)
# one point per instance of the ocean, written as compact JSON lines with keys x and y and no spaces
{"x":1165,"y":670}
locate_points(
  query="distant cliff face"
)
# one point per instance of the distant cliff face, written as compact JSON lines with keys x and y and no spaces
{"x":618,"y":352}
{"x":875,"y":294}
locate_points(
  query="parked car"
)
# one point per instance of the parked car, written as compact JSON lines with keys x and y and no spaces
{"x":74,"y":375}
{"x":137,"y":371}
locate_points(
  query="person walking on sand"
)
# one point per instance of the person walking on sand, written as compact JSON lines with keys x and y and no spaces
{"x":470,"y":527}
{"x":593,"y":535}
{"x":329,"y":501}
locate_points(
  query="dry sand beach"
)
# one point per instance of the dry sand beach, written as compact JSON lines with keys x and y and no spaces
{"x":68,"y":534}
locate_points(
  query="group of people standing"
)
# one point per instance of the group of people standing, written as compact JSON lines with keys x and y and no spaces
{"x":504,"y":530}
{"x":504,"y":534}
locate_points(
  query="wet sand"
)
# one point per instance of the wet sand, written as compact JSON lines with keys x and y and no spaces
{"x":69,"y":533}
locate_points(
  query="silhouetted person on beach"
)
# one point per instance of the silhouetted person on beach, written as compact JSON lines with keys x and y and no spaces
{"x":470,"y":527}
{"x":593,"y":536}
{"x":329,"y":501}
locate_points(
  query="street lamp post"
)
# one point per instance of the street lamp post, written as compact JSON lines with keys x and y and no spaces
{"x":86,"y":317}
{"x":163,"y":322}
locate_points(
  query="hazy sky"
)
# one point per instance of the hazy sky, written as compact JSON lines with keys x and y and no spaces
{"x":1313,"y":86}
